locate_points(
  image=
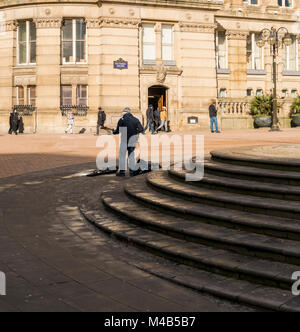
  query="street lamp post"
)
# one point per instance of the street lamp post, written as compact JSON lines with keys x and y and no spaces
{"x":275,"y":38}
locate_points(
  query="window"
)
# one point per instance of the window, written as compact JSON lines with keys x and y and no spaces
{"x":167,"y":43}
{"x":66,"y":95}
{"x":31,"y":95}
{"x":82,"y":95}
{"x":290,"y":56}
{"x":285,"y":3}
{"x":222,"y":93}
{"x":284,"y":93}
{"x":250,"y":2}
{"x":20,"y":95}
{"x":259,"y":92}
{"x":222,"y":50}
{"x":26,"y":43}
{"x":149,"y":43}
{"x":294,"y":93}
{"x":257,"y":54}
{"x":74,"y":46}
{"x":249,"y":92}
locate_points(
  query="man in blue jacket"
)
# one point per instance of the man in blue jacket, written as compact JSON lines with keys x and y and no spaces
{"x":129,"y":127}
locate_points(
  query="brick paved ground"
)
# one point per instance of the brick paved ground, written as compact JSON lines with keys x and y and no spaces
{"x":53,"y":260}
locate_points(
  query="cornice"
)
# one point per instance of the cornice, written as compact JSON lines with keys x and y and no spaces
{"x":110,"y":22}
{"x":196,"y":27}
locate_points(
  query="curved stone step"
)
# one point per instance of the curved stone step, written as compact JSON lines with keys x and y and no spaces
{"x":180,"y":251}
{"x":255,"y":188}
{"x":250,"y":244}
{"x":239,"y":156}
{"x":160,"y":180}
{"x":257,"y":223}
{"x":252,"y":173}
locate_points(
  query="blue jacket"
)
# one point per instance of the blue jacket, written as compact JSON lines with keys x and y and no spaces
{"x":133,"y":125}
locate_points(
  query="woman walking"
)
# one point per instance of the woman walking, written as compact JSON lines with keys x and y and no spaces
{"x":70,"y":122}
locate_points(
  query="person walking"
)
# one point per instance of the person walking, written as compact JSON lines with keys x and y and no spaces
{"x":13,"y":122}
{"x":164,"y":119}
{"x":150,"y":119}
{"x":213,"y":113}
{"x":70,"y":122}
{"x":129,"y":127}
{"x":101,"y":120}
{"x":157,"y":118}
{"x":20,"y":124}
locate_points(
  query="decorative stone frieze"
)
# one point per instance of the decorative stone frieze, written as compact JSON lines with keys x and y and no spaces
{"x":46,"y":23}
{"x":237,"y":35}
{"x":93,"y":23}
{"x":11,"y":25}
{"x":121,"y":23}
{"x":196,"y":27}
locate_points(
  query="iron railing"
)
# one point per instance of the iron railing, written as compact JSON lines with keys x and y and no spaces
{"x":78,"y":110}
{"x":24,"y":110}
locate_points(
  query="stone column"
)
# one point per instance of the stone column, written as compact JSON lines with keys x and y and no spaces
{"x":94,"y":70}
{"x":7,"y":45}
{"x":237,"y":62}
{"x":48,"y":40}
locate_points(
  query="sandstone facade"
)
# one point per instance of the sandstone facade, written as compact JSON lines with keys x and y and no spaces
{"x":180,"y":54}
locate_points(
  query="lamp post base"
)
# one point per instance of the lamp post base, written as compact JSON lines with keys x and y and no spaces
{"x":275,"y":128}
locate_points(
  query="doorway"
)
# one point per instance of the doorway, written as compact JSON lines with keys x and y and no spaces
{"x":157,"y":96}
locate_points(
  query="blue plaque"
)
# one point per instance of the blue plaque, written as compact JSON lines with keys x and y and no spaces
{"x":121,"y":64}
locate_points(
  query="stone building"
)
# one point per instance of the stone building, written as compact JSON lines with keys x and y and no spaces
{"x":117,"y":53}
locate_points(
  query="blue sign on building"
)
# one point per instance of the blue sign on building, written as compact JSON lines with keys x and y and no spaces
{"x":121,"y":64}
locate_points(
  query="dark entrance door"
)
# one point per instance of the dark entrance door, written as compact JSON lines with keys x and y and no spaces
{"x":157,"y":96}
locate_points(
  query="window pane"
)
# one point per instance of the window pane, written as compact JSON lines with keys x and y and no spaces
{"x":167,"y":53}
{"x":32,"y":35}
{"x":22,"y":52}
{"x":68,"y":51}
{"x":148,"y":33}
{"x":20,"y":91}
{"x":221,"y":50}
{"x":67,"y":30}
{"x":167,"y":34}
{"x":66,"y":95}
{"x":80,"y":30}
{"x":33,"y":52}
{"x":22,"y":31}
{"x":149,"y":52}
{"x":82,"y":95}
{"x":31,"y":95}
{"x":80,"y":51}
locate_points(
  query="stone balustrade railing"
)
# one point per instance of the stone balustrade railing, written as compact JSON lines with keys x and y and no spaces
{"x":233,"y":107}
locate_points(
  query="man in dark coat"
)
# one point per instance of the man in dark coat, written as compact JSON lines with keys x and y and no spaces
{"x":20,"y":125}
{"x":129,"y":127}
{"x":157,"y":118}
{"x":101,"y":120}
{"x":213,"y":113}
{"x":13,"y":122}
{"x":150,"y":119}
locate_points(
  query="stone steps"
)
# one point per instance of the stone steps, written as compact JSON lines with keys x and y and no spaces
{"x":252,"y":173}
{"x":239,"y":186}
{"x":161,"y":182}
{"x":216,"y":237}
{"x":219,"y":283}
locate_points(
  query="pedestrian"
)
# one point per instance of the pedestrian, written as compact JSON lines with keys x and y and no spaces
{"x":129,"y":127}
{"x":13,"y":122}
{"x":164,"y":119}
{"x":157,"y":118}
{"x":213,"y":113}
{"x":20,"y":125}
{"x":150,"y":119}
{"x":101,"y":120}
{"x":71,"y":123}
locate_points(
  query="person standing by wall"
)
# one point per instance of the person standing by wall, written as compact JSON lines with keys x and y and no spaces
{"x":213,"y":113}
{"x":71,"y":123}
{"x":101,"y":120}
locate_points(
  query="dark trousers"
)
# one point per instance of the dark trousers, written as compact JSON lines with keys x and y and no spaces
{"x":122,"y":159}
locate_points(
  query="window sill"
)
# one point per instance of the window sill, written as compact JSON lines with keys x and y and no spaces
{"x":79,"y":64}
{"x":223,"y":71}
{"x":290,"y":73}
{"x":29,"y":66}
{"x":149,"y":62}
{"x":256,"y":72}
{"x":170,"y":63}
